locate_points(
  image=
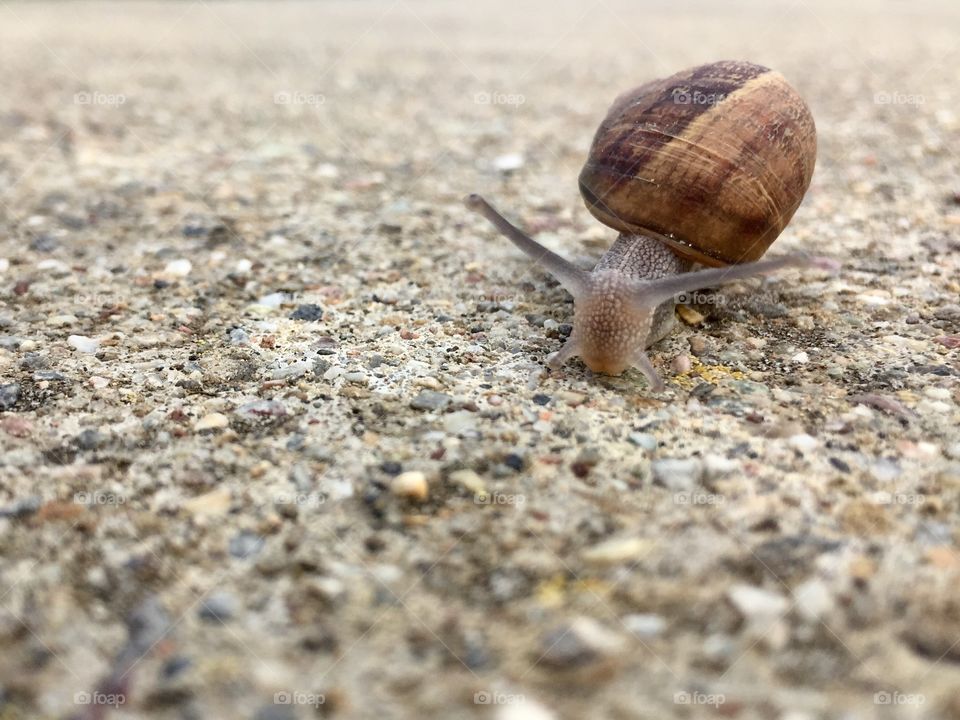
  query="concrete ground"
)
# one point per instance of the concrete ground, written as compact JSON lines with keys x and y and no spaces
{"x":276,"y":436}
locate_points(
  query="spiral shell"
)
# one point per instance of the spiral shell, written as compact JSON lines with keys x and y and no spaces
{"x":714,"y":160}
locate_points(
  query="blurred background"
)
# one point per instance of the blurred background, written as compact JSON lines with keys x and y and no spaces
{"x":235,"y":269}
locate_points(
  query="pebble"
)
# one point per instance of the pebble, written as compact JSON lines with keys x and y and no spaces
{"x":178,"y":268}
{"x":523,"y":708}
{"x":239,"y":336}
{"x":644,"y":625}
{"x":430,"y":400}
{"x":756,"y":603}
{"x":308,"y":312}
{"x":573,"y":399}
{"x":803,"y":442}
{"x":22,"y":508}
{"x":291,"y":372}
{"x":215,"y":502}
{"x":62,"y":320}
{"x":617,"y":551}
{"x":581,"y":642}
{"x":938,"y":393}
{"x":681,"y":363}
{"x":884,"y":470}
{"x":801,"y":358}
{"x":697,"y":345}
{"x":4,"y":265}
{"x":508,"y":162}
{"x":644,"y":441}
{"x":245,"y":544}
{"x":458,"y":423}
{"x":469,"y":480}
{"x":953,"y":451}
{"x":718,"y":466}
{"x":411,"y":485}
{"x":947,"y":312}
{"x":219,"y":606}
{"x":677,"y":473}
{"x":690,"y":315}
{"x":84,"y":344}
{"x":261,"y":409}
{"x":812,"y":599}
{"x":273,"y":300}
{"x":16,"y":426}
{"x":97,"y":382}
{"x":9,"y":394}
{"x":213,"y":421}
{"x":90,"y":439}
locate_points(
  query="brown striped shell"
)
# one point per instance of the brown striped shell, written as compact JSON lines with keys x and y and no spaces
{"x":714,"y":159}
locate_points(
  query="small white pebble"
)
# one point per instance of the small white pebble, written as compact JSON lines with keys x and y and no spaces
{"x":84,"y":344}
{"x":213,"y":421}
{"x":645,"y":626}
{"x":801,"y":358}
{"x":327,"y":170}
{"x":412,"y":485}
{"x":178,"y":268}
{"x":4,"y":265}
{"x":273,"y":300}
{"x":61,"y":321}
{"x":510,"y":161}
{"x":937,"y":393}
{"x":757,"y":603}
{"x":95,"y":381}
{"x":803,"y":442}
{"x":243,"y":266}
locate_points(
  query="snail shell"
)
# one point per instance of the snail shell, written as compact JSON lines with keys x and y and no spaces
{"x":713,"y":160}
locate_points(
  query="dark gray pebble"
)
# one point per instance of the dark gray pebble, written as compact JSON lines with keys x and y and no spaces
{"x":430,"y":400}
{"x":218,"y":607}
{"x":9,"y":394}
{"x":245,"y":544}
{"x":309,"y":312}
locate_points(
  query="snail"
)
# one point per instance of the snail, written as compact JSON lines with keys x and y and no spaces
{"x":706,"y":166}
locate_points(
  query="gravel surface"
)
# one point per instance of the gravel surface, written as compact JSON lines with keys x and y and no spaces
{"x":277,"y":440}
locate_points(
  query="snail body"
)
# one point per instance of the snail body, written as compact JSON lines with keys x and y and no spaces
{"x":706,"y":166}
